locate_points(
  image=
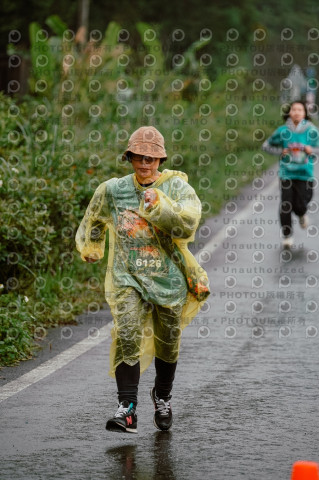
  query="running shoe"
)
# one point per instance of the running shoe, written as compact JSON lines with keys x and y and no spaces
{"x":124,"y":420}
{"x":163,"y":417}
{"x":304,"y":221}
{"x":287,"y":242}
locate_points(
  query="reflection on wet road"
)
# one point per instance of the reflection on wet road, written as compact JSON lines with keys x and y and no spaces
{"x":128,"y":461}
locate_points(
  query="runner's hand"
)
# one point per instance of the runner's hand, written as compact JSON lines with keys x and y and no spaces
{"x":150,"y":197}
{"x":308,"y":149}
{"x":91,"y":260}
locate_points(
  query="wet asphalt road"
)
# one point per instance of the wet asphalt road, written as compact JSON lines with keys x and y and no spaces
{"x":245,"y":398}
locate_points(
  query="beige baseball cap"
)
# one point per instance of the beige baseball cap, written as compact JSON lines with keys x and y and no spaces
{"x":146,"y":141}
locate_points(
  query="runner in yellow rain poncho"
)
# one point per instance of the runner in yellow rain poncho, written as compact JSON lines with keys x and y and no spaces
{"x":153,"y":284}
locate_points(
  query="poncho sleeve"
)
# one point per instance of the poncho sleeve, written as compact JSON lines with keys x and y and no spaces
{"x":90,"y":236}
{"x":178,"y":216}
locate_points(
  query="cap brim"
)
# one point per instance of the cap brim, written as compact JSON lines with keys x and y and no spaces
{"x":147,"y":149}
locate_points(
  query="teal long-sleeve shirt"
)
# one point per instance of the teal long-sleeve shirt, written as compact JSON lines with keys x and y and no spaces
{"x":297,"y":164}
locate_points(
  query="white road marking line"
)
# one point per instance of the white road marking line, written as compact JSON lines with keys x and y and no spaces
{"x":220,"y":236}
{"x":54,"y":364}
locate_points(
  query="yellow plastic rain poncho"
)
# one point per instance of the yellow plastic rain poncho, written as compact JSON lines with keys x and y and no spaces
{"x":153,"y":284}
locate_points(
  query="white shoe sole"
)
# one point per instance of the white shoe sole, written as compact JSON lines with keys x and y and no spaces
{"x":118,"y":427}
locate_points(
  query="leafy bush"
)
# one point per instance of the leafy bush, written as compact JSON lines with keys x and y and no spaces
{"x":15,"y":329}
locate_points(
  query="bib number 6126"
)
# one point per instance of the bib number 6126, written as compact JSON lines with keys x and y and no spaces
{"x":148,"y":263}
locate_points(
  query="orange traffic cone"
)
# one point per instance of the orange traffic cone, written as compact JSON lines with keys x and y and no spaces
{"x":305,"y":471}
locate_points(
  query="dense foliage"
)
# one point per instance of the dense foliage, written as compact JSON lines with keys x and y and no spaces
{"x":181,"y":24}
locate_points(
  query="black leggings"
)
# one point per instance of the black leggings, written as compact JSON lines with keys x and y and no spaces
{"x":295,"y":196}
{"x":127,"y":379}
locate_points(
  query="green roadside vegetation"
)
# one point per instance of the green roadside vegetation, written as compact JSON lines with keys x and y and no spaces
{"x":65,"y":138}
